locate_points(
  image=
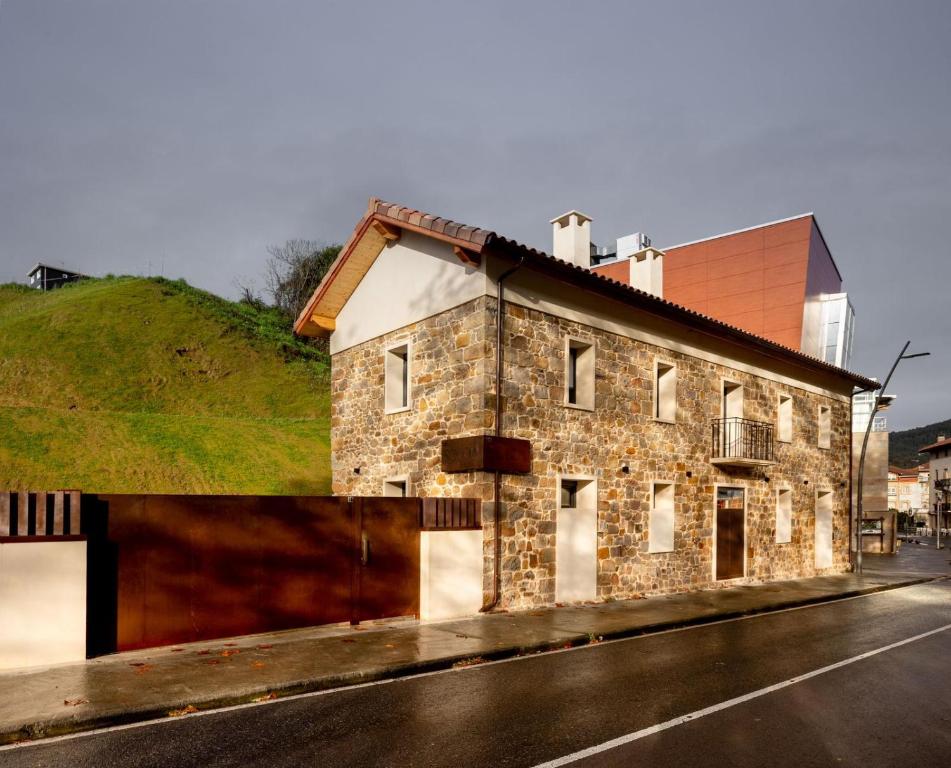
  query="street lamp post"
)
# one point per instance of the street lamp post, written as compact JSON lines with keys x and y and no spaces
{"x":868,"y":430}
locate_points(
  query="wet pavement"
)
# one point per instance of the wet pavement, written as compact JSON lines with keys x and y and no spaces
{"x":172,"y":681}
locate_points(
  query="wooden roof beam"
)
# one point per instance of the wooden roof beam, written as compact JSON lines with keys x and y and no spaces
{"x":389,"y":233}
{"x":467,"y":257}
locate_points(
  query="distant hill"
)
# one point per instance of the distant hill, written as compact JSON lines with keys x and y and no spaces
{"x":150,"y":385}
{"x":903,"y":445}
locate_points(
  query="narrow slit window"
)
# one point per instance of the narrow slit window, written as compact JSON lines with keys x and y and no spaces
{"x":660,"y":526}
{"x":397,"y":377}
{"x":665,"y":392}
{"x":784,"y":427}
{"x":783,"y":516}
{"x":579,"y":374}
{"x":825,"y":426}
{"x":569,"y":494}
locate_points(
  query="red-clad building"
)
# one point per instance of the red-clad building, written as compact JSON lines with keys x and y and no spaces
{"x":777,"y":280}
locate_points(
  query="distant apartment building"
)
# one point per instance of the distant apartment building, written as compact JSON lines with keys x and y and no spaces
{"x":44,"y":277}
{"x":908,"y":491}
{"x":939,"y":481}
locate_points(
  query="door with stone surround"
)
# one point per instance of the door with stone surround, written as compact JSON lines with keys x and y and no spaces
{"x":730,"y":533}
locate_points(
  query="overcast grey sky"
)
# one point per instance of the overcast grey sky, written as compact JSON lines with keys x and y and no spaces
{"x":184,"y":137}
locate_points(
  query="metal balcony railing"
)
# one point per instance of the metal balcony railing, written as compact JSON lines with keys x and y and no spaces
{"x":741,"y":442}
{"x":943,"y":483}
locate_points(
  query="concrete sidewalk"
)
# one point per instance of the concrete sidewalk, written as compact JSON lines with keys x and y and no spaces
{"x":172,"y":681}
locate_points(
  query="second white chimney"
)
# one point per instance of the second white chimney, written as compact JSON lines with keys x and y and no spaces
{"x":571,"y":238}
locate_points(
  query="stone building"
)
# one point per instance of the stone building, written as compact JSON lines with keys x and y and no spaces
{"x":638,"y":447}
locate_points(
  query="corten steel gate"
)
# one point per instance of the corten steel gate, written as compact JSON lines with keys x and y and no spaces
{"x":174,"y":569}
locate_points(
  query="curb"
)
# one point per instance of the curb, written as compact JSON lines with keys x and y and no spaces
{"x":31,"y":732}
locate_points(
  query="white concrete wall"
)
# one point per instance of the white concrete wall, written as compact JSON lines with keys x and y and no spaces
{"x":413,"y":279}
{"x":450,"y":574}
{"x":42,"y":603}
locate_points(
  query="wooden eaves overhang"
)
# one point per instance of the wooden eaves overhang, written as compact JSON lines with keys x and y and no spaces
{"x":384,"y":222}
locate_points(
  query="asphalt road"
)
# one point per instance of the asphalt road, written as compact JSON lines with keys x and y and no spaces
{"x":891,"y":708}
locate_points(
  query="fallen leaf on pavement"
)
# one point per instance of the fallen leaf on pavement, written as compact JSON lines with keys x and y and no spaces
{"x":141,"y":669}
{"x":348,"y":640}
{"x":204,"y":652}
{"x":265,"y":646}
{"x":74,"y":702}
{"x":266,"y":697}
{"x":258,"y":664}
{"x":469,"y":662}
{"x":190,"y":709}
{"x":230,"y":652}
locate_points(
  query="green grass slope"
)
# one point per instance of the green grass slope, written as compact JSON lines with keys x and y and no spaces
{"x":150,"y":385}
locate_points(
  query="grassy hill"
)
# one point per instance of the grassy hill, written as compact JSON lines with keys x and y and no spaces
{"x":150,"y":385}
{"x":903,"y":445}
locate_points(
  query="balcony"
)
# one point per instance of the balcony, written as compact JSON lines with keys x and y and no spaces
{"x":943,"y":484}
{"x":741,"y":443}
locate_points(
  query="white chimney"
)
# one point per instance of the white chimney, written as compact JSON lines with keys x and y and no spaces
{"x":647,"y":271}
{"x":571,"y":238}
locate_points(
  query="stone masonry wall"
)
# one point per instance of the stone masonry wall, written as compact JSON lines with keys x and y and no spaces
{"x":453,"y":386}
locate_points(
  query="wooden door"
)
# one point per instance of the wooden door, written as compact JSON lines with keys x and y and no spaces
{"x":731,"y":538}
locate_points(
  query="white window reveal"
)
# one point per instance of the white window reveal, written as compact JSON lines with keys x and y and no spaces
{"x":825,"y":426}
{"x":397,"y":486}
{"x":783,"y":516}
{"x":665,"y":392}
{"x":660,"y":526}
{"x":784,"y":421}
{"x":732,"y":407}
{"x":397,"y":377}
{"x":579,"y":373}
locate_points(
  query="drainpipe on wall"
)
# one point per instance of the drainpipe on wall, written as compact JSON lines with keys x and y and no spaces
{"x":852,"y":536}
{"x":497,"y":482}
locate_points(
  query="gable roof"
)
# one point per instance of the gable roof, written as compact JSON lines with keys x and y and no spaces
{"x":41,"y":265}
{"x":382,"y":222}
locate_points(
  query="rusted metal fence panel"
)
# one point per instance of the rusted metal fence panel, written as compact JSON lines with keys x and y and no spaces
{"x":451,"y":514}
{"x":387,"y":582}
{"x":172,"y":569}
{"x":40,"y":514}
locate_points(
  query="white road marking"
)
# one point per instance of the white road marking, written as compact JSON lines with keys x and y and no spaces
{"x":451,"y":670}
{"x":651,"y":730}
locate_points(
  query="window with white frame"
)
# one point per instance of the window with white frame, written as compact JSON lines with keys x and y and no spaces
{"x":397,"y":377}
{"x":783,"y":516}
{"x":665,"y":391}
{"x":579,"y":373}
{"x":825,"y":426}
{"x":660,"y":526}
{"x":397,"y":486}
{"x":784,"y":419}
